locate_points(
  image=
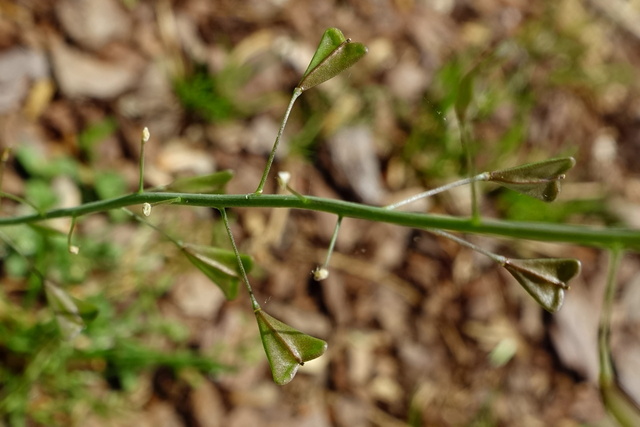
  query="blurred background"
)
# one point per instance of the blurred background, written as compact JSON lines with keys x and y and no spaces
{"x":420,"y":330}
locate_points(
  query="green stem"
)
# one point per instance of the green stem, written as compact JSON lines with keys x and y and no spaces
{"x":624,"y":238}
{"x":296,"y":93}
{"x":295,"y":193}
{"x":21,"y":200}
{"x":4,"y":158}
{"x":466,"y":146}
{"x":243,"y":272}
{"x":606,"y":368}
{"x":332,"y":244}
{"x":618,"y":403}
{"x":497,"y":258}
{"x":143,"y":142}
{"x":155,"y":227}
{"x":70,"y":234}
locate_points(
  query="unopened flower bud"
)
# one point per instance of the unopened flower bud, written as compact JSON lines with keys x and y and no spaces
{"x":320,"y":273}
{"x":145,"y":134}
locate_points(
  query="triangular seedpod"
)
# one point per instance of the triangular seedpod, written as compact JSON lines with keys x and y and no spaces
{"x":219,"y":265}
{"x":544,"y":279}
{"x":331,"y":39}
{"x":540,"y":180}
{"x":334,"y":54}
{"x":70,"y":313}
{"x":287,"y":348}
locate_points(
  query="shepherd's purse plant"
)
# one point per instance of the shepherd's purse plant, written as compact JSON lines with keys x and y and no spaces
{"x":547,"y":280}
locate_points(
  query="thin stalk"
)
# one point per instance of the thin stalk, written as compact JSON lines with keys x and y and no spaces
{"x":617,"y":401}
{"x":606,"y":368}
{"x":4,"y":158}
{"x":155,"y":227}
{"x":497,"y":258}
{"x":296,"y":93}
{"x":72,"y":249}
{"x":295,"y":193}
{"x":481,"y":177}
{"x":143,"y":142}
{"x":332,"y":244}
{"x":466,"y":146}
{"x":245,"y":278}
{"x":625,"y":238}
{"x":321,"y":273}
{"x":29,"y":260}
{"x":21,"y":200}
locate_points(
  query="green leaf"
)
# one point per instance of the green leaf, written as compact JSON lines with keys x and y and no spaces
{"x":287,"y":348}
{"x":207,"y":184}
{"x":333,"y":55}
{"x":540,"y":180}
{"x":545,"y":279}
{"x":219,"y":265}
{"x":70,"y":312}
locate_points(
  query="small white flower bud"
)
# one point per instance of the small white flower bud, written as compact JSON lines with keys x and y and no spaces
{"x":146,"y":209}
{"x":145,"y":134}
{"x":320,"y":273}
{"x":283,"y":179}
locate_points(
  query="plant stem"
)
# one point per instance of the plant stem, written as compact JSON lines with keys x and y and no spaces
{"x":20,"y":200}
{"x":155,"y":227}
{"x":606,"y":369}
{"x":625,"y":238}
{"x":296,"y":93}
{"x":465,"y":136}
{"x":617,"y":401}
{"x":332,"y":244}
{"x":143,"y":142}
{"x":4,"y":158}
{"x":497,"y":258}
{"x":70,"y":235}
{"x":243,"y":272}
{"x":481,"y":177}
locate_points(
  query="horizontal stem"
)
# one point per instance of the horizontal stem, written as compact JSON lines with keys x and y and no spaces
{"x":624,"y":238}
